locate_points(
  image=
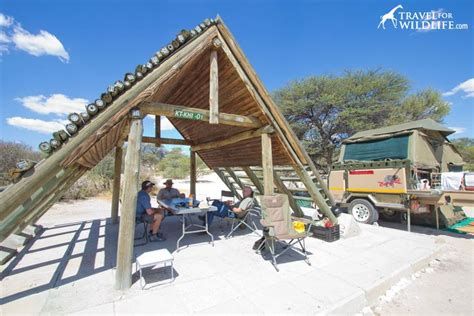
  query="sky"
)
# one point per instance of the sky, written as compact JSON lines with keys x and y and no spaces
{"x":56,"y":56}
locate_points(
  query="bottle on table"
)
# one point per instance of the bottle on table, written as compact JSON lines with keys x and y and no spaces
{"x":191,"y":200}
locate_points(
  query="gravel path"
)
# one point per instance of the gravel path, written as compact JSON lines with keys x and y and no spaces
{"x":446,"y":287}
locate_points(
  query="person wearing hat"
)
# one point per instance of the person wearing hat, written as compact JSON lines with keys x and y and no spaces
{"x":168,"y":192}
{"x":148,"y":214}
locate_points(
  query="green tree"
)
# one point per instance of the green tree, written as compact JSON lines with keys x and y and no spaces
{"x":325,"y":110}
{"x":425,"y":104}
{"x":175,"y":164}
{"x":466,"y":148}
{"x":151,"y":156}
{"x":201,"y":168}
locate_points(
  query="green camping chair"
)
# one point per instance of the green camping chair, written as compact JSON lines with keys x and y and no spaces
{"x":246,"y":220}
{"x":279,"y":229}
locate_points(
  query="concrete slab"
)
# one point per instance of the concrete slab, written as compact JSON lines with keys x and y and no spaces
{"x":69,"y":269}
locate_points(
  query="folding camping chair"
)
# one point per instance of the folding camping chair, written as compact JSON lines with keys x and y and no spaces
{"x":239,"y":221}
{"x":138,"y":221}
{"x":227,"y":194}
{"x":276,"y":218}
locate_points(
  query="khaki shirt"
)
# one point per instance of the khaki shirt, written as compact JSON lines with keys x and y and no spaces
{"x":165,"y":194}
{"x":245,"y":204}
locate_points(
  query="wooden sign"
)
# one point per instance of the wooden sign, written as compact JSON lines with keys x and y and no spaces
{"x":188,"y":115}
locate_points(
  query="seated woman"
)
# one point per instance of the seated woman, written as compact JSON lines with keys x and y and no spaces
{"x":225,"y":209}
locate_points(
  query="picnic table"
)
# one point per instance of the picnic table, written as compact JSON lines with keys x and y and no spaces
{"x":181,"y":207}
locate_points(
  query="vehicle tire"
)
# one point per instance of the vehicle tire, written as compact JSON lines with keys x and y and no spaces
{"x":363,"y":211}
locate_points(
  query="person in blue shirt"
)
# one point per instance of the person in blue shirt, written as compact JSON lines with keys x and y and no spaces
{"x":148,"y":214}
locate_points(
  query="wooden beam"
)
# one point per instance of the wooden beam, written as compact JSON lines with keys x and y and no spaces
{"x":192,"y":177}
{"x":51,"y":200}
{"x":165,"y":141}
{"x":234,"y":177}
{"x":233,"y":139}
{"x":116,"y":185}
{"x":214,"y":89}
{"x":157,"y":129}
{"x":9,"y":224}
{"x":284,"y":190}
{"x":227,"y":183}
{"x":123,"y":273}
{"x":185,"y":112}
{"x":267,"y":164}
{"x":253,"y":177}
{"x":76,"y":146}
{"x":313,"y":190}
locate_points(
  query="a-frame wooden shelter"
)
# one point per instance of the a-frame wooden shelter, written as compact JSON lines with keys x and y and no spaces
{"x":206,"y":87}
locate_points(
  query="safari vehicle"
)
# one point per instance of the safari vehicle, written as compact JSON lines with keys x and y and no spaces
{"x":398,"y":170}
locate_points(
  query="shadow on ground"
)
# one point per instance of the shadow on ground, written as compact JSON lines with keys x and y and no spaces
{"x":66,"y":253}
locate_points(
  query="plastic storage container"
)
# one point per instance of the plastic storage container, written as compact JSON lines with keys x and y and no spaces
{"x":328,"y":234}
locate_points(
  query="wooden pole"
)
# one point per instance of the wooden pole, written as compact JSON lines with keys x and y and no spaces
{"x":116,"y":185}
{"x":157,"y":129}
{"x":123,"y":273}
{"x":267,"y":164}
{"x":437,"y":216}
{"x":192,"y":182}
{"x":253,"y":177}
{"x":50,"y":200}
{"x":197,"y":114}
{"x":214,"y":90}
{"x":30,"y":206}
{"x":165,"y":141}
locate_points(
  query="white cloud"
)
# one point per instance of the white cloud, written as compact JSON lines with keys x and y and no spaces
{"x":43,"y":43}
{"x":58,"y":104}
{"x":4,"y":40}
{"x":44,"y":127}
{"x":166,"y":124}
{"x":466,"y":87}
{"x":5,"y":21}
{"x":458,"y":130}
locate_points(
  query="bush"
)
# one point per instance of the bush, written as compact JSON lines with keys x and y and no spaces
{"x":88,"y":185}
{"x":174,"y":165}
{"x":97,"y":180}
{"x":10,"y":154}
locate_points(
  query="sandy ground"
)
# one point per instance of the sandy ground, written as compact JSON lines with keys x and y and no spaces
{"x":445,"y":287}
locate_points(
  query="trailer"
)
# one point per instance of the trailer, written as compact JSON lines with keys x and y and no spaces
{"x":397,"y":171}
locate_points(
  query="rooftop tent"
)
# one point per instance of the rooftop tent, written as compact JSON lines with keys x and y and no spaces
{"x":378,"y":149}
{"x":423,"y":142}
{"x":424,"y":125}
{"x":203,"y":83}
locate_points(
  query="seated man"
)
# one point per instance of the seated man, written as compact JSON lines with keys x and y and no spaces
{"x":148,"y":214}
{"x":168,"y":192}
{"x":225,"y":209}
